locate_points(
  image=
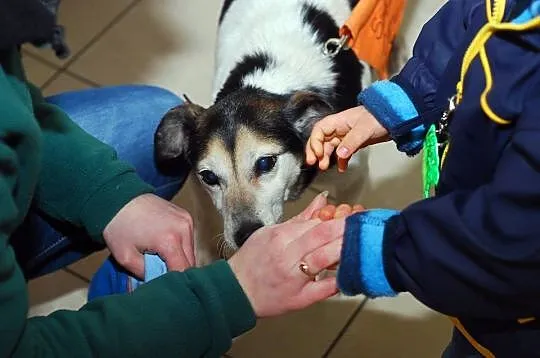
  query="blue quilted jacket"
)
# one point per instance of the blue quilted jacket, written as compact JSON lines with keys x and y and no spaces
{"x":472,"y":251}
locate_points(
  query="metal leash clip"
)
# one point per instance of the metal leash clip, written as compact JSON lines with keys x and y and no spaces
{"x":333,"y":46}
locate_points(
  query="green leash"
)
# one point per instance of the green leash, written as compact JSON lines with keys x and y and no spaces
{"x":430,"y":162}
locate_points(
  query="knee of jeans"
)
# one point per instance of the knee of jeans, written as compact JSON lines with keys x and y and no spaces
{"x":154,"y":96}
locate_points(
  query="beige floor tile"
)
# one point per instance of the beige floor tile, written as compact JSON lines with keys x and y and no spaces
{"x":168,"y":43}
{"x":82,"y":20}
{"x":397,"y":328}
{"x":416,"y":14}
{"x":303,"y":334}
{"x":88,"y":266}
{"x":394,"y":180}
{"x":64,"y":83}
{"x":37,"y":72}
{"x":59,"y":290}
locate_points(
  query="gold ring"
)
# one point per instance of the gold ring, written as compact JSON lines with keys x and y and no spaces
{"x":305,"y":269}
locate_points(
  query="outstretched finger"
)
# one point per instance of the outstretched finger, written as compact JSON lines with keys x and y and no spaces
{"x":316,"y":237}
{"x":324,"y":161}
{"x":323,"y":257}
{"x":327,"y":213}
{"x":311,"y":158}
{"x":343,"y":210}
{"x":316,"y":204}
{"x":342,"y":164}
{"x":316,"y":291}
{"x":358,"y":209}
{"x":316,"y":141}
{"x":132,"y":260}
{"x":353,"y":141}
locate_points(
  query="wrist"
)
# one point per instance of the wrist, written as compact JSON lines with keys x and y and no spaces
{"x":392,"y":108}
{"x":362,"y":268}
{"x":236,"y":269}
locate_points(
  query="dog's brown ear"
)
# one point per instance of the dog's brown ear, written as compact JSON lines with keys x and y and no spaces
{"x":304,"y":109}
{"x":172,"y":139}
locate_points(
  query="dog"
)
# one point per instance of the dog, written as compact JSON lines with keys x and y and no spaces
{"x":272,"y":84}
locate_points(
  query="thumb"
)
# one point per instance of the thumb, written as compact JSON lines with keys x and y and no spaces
{"x":175,"y":259}
{"x":132,"y":260}
{"x":353,"y":141}
{"x":316,"y":204}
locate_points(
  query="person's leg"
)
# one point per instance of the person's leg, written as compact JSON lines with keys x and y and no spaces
{"x":124,"y":117}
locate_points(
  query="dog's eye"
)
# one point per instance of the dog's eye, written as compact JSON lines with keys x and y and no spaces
{"x":209,"y":177}
{"x":265,"y":164}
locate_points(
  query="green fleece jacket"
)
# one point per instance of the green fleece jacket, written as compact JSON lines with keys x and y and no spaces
{"x":48,"y":162}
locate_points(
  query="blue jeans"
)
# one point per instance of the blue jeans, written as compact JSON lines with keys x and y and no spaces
{"x":125,"y":117}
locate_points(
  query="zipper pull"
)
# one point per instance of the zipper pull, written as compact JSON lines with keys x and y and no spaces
{"x":445,"y":118}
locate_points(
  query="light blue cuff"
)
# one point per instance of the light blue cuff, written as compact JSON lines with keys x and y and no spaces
{"x":528,"y":14}
{"x":154,"y":267}
{"x":392,"y":107}
{"x":362,"y":263}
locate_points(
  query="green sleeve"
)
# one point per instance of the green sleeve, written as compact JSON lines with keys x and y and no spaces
{"x":82,"y":182}
{"x":192,"y":314}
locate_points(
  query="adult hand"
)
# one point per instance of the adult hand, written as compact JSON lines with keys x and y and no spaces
{"x":346,"y":132}
{"x":151,"y":224}
{"x":329,"y":212}
{"x":268,"y":264}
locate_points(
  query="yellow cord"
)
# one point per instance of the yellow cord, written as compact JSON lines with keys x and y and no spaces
{"x":495,"y":15}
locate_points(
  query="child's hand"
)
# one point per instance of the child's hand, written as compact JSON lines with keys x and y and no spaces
{"x":330,"y":211}
{"x":347,"y":131}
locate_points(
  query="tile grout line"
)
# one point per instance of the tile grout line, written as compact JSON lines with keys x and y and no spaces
{"x":82,"y":78}
{"x":40,"y":59}
{"x":76,"y":274}
{"x":344,"y":328}
{"x":90,"y":43}
{"x":55,"y":67}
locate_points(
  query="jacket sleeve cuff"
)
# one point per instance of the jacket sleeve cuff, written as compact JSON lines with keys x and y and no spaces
{"x":231,"y":293}
{"x":362,"y":269}
{"x":392,"y":107}
{"x":106,"y":202}
{"x":242,"y":318}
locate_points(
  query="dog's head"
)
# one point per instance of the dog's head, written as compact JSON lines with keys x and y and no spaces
{"x":247,"y":150}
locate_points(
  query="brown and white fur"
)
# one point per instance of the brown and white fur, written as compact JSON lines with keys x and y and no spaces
{"x":272,"y":83}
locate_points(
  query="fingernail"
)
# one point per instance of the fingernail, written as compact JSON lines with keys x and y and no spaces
{"x":325,"y":193}
{"x":342,"y":152}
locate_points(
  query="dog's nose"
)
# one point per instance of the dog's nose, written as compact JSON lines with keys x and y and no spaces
{"x":245,"y":231}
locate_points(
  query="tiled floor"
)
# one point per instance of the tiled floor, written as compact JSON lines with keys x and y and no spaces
{"x":170,"y":43}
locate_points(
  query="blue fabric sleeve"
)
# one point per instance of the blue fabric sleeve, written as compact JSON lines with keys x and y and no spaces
{"x":111,"y":278}
{"x":361,"y":268}
{"x":389,"y":103}
{"x":411,"y":93}
{"x":154,"y":267}
{"x":476,"y":252}
{"x":434,"y":48}
{"x":529,"y":13}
